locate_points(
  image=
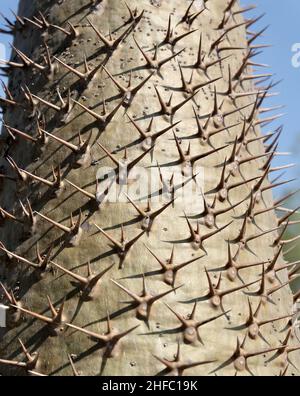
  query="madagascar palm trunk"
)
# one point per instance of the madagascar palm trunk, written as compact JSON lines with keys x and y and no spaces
{"x":139,"y":234}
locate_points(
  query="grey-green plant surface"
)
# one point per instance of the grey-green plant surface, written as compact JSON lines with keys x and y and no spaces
{"x":153,"y":281}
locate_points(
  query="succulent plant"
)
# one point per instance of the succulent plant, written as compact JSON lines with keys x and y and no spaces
{"x":139,"y":234}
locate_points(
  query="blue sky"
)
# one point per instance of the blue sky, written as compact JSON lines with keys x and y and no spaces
{"x":283,"y":33}
{"x":5,"y":7}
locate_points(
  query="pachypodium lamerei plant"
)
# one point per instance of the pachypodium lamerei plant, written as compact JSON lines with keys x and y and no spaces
{"x":139,"y":235}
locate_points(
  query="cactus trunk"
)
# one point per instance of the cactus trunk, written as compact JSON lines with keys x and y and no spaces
{"x":173,"y":263}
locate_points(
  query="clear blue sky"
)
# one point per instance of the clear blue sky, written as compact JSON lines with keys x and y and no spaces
{"x":283,"y":33}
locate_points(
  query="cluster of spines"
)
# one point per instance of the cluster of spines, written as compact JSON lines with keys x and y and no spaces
{"x":215,"y":123}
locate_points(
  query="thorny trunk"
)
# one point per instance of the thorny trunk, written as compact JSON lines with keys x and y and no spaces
{"x":240,"y":325}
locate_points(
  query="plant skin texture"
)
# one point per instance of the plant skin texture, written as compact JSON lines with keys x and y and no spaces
{"x":156,"y":283}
